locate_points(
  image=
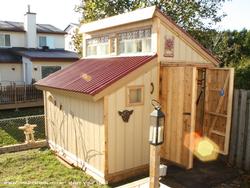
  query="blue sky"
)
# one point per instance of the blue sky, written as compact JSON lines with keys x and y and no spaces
{"x":61,"y":12}
{"x":238,"y":15}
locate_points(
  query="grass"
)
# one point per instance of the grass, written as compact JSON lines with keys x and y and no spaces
{"x":40,"y":168}
{"x":9,"y":132}
{"x":21,"y":112}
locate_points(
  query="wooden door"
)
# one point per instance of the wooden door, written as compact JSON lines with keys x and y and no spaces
{"x":178,"y":99}
{"x":218,"y":106}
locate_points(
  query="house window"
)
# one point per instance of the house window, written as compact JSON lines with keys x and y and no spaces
{"x":112,"y":45}
{"x":133,"y":42}
{"x":47,"y":70}
{"x":135,"y":95}
{"x":98,"y":46}
{"x":46,"y":41}
{"x":4,"y":40}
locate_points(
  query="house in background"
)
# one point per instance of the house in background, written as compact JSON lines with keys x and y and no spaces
{"x":98,"y":109}
{"x":31,"y":51}
{"x":70,"y":30}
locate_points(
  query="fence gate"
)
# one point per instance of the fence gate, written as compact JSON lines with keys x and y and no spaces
{"x":178,"y":93}
{"x":218,"y":106}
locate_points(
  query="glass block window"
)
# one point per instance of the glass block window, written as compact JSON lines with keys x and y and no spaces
{"x":98,"y":46}
{"x":138,"y":41}
{"x":47,"y":70}
{"x":135,"y":95}
{"x":4,"y":40}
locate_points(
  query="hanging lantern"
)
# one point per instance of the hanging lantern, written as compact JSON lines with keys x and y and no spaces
{"x":157,"y":120}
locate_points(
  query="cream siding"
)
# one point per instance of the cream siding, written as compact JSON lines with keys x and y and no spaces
{"x":183,"y":52}
{"x":128,"y":145}
{"x":8,"y":75}
{"x":77,"y":128}
{"x":17,"y":39}
{"x":37,"y":74}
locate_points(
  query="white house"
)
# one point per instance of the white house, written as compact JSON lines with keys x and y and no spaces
{"x":30,"y":51}
{"x":70,"y":30}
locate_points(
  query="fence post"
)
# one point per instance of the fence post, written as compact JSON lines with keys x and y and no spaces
{"x":234,"y":130}
{"x":247,"y":156}
{"x":25,"y":93}
{"x":241,"y":133}
{"x":15,"y":93}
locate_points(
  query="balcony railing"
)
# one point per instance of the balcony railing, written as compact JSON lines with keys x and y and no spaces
{"x":19,"y":93}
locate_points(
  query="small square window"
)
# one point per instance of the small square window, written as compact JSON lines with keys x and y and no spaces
{"x":135,"y":95}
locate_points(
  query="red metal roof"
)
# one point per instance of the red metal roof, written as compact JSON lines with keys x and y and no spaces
{"x":90,"y":76}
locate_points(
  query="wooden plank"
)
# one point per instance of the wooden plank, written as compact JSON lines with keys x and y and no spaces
{"x":247,"y":155}
{"x":178,"y":95}
{"x":219,"y":104}
{"x":217,"y":114}
{"x":234,"y":131}
{"x":106,"y":159}
{"x":21,"y":105}
{"x":154,"y":166}
{"x":229,"y":110}
{"x":242,"y":122}
{"x":218,"y":133}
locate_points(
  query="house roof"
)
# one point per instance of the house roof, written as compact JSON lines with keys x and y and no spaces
{"x":39,"y":54}
{"x":71,"y":25}
{"x":14,"y":55}
{"x":91,"y":76}
{"x":18,"y":27}
{"x":145,"y":14}
{"x":6,"y":56}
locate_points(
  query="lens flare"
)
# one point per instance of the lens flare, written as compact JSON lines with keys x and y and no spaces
{"x":206,"y":150}
{"x":202,"y":147}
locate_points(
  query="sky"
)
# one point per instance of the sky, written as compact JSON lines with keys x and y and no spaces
{"x":61,"y":12}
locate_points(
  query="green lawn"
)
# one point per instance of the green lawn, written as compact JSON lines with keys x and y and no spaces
{"x":9,"y":132}
{"x":40,"y":168}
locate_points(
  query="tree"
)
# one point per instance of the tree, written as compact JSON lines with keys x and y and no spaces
{"x":190,"y":15}
{"x":77,"y":41}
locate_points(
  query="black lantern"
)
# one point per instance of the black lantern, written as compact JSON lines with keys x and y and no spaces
{"x":157,"y":119}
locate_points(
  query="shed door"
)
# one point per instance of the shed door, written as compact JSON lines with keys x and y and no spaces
{"x":178,"y":100}
{"x":218,"y":106}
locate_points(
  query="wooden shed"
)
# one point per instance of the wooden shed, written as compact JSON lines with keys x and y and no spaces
{"x":97,"y":109}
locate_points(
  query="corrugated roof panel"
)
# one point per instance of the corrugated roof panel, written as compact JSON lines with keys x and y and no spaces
{"x":90,"y":76}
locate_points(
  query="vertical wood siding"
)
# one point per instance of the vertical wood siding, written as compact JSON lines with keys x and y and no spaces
{"x":128,"y":145}
{"x":77,"y":127}
{"x":183,"y":52}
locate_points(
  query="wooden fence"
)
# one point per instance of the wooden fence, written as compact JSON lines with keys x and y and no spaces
{"x":239,"y":154}
{"x":13,"y":94}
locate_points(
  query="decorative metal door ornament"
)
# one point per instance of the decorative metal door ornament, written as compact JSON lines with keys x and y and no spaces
{"x":125,"y":114}
{"x":169,"y":46}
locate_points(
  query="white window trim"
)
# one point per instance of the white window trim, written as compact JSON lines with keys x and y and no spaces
{"x":4,"y":34}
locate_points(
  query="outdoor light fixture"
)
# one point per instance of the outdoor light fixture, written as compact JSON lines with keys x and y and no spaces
{"x":157,"y":119}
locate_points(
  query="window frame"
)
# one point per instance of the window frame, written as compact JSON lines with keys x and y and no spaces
{"x":134,"y":87}
{"x":50,"y":66}
{"x":98,"y":46}
{"x":49,"y":41}
{"x":4,"y":40}
{"x":133,"y":42}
